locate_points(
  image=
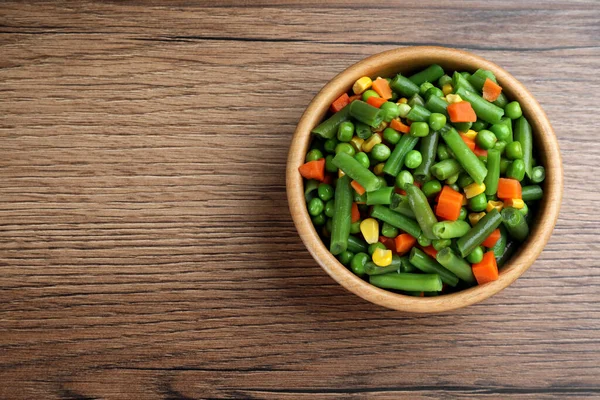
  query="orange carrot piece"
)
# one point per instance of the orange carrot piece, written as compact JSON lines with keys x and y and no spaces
{"x":376,"y":101}
{"x":355,"y":213}
{"x":449,"y":204}
{"x":461,"y":112}
{"x":397,"y":125}
{"x":354,"y":97}
{"x":491,"y":90}
{"x":400,"y":191}
{"x":340,"y":103}
{"x":357,"y":186}
{"x":486,"y":270}
{"x":491,"y":240}
{"x":468,"y":141}
{"x":509,"y":188}
{"x":404,"y":242}
{"x":313,"y":169}
{"x":430,"y":251}
{"x":382,"y":87}
{"x":479,"y":151}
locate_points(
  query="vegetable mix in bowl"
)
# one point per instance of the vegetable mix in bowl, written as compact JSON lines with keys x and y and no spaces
{"x":423,"y":184}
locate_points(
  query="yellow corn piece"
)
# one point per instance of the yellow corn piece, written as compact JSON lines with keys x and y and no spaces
{"x":369,"y":227}
{"x":382,"y":258}
{"x":474,"y":189}
{"x":362,"y":84}
{"x":491,"y":204}
{"x":368,"y":144}
{"x":378,"y":169}
{"x":356,"y":142}
{"x":475,"y":217}
{"x":381,"y":127}
{"x":340,"y":173}
{"x":471,"y":134}
{"x":447,"y":89}
{"x":403,"y":100}
{"x":514,"y":203}
{"x":464,"y":201}
{"x":453,"y":98}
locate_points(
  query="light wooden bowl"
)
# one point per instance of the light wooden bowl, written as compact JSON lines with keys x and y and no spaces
{"x":408,"y":60}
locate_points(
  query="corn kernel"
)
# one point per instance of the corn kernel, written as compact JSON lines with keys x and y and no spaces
{"x":378,"y":169}
{"x":403,"y":100}
{"x":369,"y":228}
{"x":382,"y":258}
{"x":471,"y":134}
{"x":356,"y":142}
{"x":475,"y":217}
{"x":514,"y":203}
{"x":340,"y":173}
{"x":368,"y":144}
{"x":474,"y":189}
{"x":362,"y":84}
{"x":381,"y":127}
{"x":453,"y":98}
{"x":447,"y":89}
{"x":498,"y":205}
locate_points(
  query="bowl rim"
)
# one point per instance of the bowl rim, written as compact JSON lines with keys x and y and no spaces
{"x":544,"y":137}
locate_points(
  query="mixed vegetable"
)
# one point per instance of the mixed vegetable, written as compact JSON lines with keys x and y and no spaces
{"x":423,"y":184}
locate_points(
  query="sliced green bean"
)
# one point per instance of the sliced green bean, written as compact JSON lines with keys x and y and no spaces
{"x":483,"y":108}
{"x":460,"y":82}
{"x":429,"y":265}
{"x":408,"y":282}
{"x":380,"y":196}
{"x":310,"y":186}
{"x":422,"y":210}
{"x":357,"y":171}
{"x":479,"y":232}
{"x":356,"y":245}
{"x":400,"y":205}
{"x":328,"y":128}
{"x":446,"y":168}
{"x":493,"y":175}
{"x":515,"y":223}
{"x":428,"y":151}
{"x":500,"y":245}
{"x":429,"y":74}
{"x":366,"y":113}
{"x":404,"y":86}
{"x":538,"y":174}
{"x":373,"y":269}
{"x":418,"y":113}
{"x":451,"y":229}
{"x":457,"y":265}
{"x":477,"y":79}
{"x":396,"y":160}
{"x":398,"y":220}
{"x":532,"y":193}
{"x":437,"y":105}
{"x":363,"y":130}
{"x":342,"y":217}
{"x":524,"y":136}
{"x":467,"y":159}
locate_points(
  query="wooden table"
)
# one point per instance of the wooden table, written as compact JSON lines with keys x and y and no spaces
{"x":146,"y":248}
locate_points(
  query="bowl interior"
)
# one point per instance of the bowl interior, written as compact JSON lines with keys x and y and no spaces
{"x":406,"y":61}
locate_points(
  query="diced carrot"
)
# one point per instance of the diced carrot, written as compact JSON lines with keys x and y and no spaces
{"x":354,"y":97}
{"x":376,"y":101}
{"x":389,"y":243}
{"x":491,"y":240}
{"x":486,"y":270}
{"x":430,"y":251}
{"x":468,"y":141}
{"x":382,"y":87}
{"x":313,"y":169}
{"x":328,"y":179}
{"x":479,"y":151}
{"x":400,"y":191}
{"x":449,"y":204}
{"x":404,"y":242}
{"x":357,"y":186}
{"x":461,"y":112}
{"x":509,"y":188}
{"x":340,"y":103}
{"x":397,"y":125}
{"x":491,"y":90}
{"x":355,"y":213}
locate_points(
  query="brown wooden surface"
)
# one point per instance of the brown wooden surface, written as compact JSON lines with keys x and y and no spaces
{"x":146,"y":248}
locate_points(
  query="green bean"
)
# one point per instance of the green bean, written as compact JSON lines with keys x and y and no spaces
{"x":396,"y":160}
{"x":460,"y":82}
{"x":479,"y":232}
{"x":516,"y":170}
{"x":538,"y":174}
{"x":515,"y":223}
{"x":451,"y":229}
{"x":493,"y":175}
{"x":467,"y":159}
{"x":406,"y":266}
{"x":416,"y":99}
{"x":424,"y":87}
{"x":418,"y":113}
{"x":328,"y":128}
{"x":452,"y":179}
{"x":524,"y":136}
{"x":477,"y":80}
{"x":400,"y":205}
{"x":444,"y":80}
{"x":310,"y":186}
{"x":408,"y":282}
{"x":429,"y":74}
{"x":508,"y":123}
{"x":366,"y":113}
{"x":428,"y":151}
{"x":342,"y":217}
{"x":398,"y":220}
{"x":532,"y":193}
{"x":457,"y":265}
{"x":363,"y":130}
{"x":510,"y":248}
{"x":422,"y":210}
{"x":373,"y":269}
{"x":437,"y":105}
{"x":439,"y":244}
{"x":500,"y":245}
{"x":356,"y":171}
{"x":380,"y":196}
{"x":434,"y":91}
{"x":404,"y":86}
{"x":356,"y":245}
{"x":446,"y":168}
{"x":479,"y":125}
{"x":501,"y":101}
{"x":423,"y":241}
{"x":430,"y":266}
{"x":483,"y":108}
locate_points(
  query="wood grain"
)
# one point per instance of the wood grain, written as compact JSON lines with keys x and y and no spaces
{"x":146,"y":248}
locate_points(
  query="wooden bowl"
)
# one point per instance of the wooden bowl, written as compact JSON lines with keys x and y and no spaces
{"x":409,"y":60}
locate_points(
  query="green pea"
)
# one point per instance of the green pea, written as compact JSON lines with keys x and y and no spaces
{"x":504,"y":163}
{"x":478,"y":203}
{"x":315,"y":206}
{"x":313,"y":155}
{"x":404,"y":178}
{"x":388,"y":230}
{"x":382,"y":182}
{"x":501,"y":131}
{"x":374,"y":246}
{"x":516,"y":170}
{"x":363,"y":159}
{"x":395,"y":96}
{"x":345,"y":257}
{"x":390,"y":111}
{"x":345,"y":131}
{"x":419,"y":129}
{"x":380,"y":152}
{"x":513,"y":110}
{"x":434,"y":92}
{"x":479,"y":125}
{"x":466,"y":75}
{"x":355,"y":227}
{"x":423,"y":240}
{"x":391,"y":136}
{"x":439,"y":244}
{"x":442,"y":152}
{"x":330,"y":145}
{"x":345,"y":148}
{"x":413,"y":159}
{"x":500,"y":146}
{"x":538,"y":174}
{"x":357,"y":265}
{"x":325,"y":191}
{"x":463,"y":214}
{"x":431,"y":188}
{"x":524,"y":210}
{"x":404,"y":109}
{"x":464,"y":179}
{"x":514,"y":151}
{"x":444,"y":80}
{"x":486,"y":139}
{"x":437,"y":121}
{"x":319,"y":219}
{"x":329,"y":208}
{"x":476,"y":255}
{"x":453,"y":179}
{"x":425,"y":86}
{"x":329,"y":166}
{"x":368,"y":94}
